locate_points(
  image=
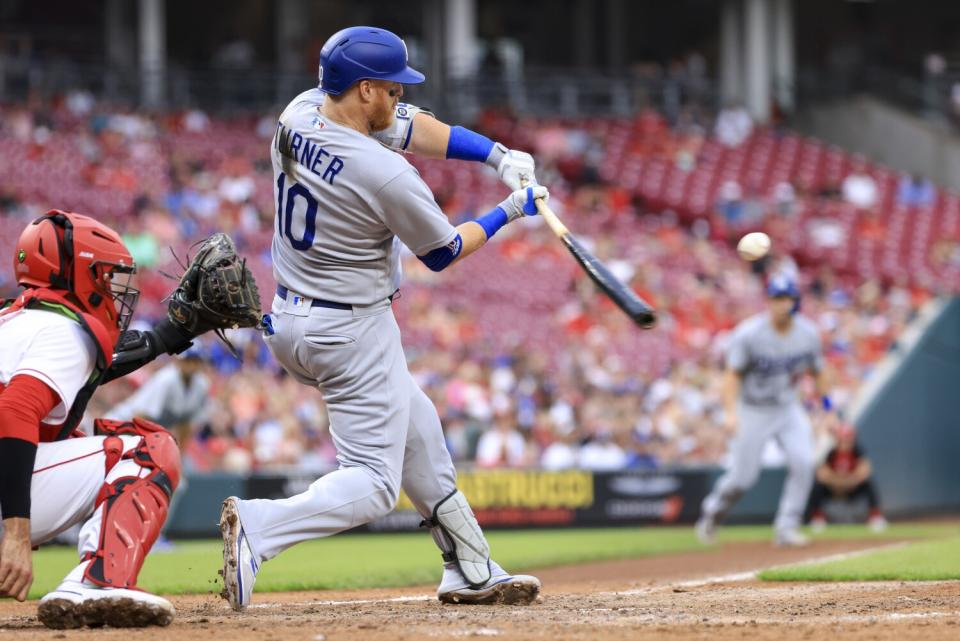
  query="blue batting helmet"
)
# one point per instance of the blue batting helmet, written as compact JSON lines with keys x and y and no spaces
{"x":782,"y":285}
{"x":356,"y":53}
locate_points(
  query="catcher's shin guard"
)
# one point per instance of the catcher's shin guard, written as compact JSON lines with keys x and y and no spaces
{"x":133,"y":508}
{"x":458,"y":535}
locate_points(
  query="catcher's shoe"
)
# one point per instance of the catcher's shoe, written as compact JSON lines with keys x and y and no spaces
{"x":503,"y":588}
{"x":877,"y":523}
{"x":790,"y":538}
{"x":706,"y":530}
{"x":240,"y":565}
{"x":818,"y":523}
{"x":75,"y":604}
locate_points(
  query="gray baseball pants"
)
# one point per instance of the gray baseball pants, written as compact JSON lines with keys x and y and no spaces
{"x":386,"y":431}
{"x":791,"y":427}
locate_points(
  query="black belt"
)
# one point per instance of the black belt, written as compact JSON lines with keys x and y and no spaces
{"x":317,"y":302}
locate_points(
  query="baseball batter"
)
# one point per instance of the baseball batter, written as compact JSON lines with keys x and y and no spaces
{"x":767,"y":355}
{"x":345,"y":200}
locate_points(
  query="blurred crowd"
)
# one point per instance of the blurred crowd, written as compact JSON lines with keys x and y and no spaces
{"x":526,"y":363}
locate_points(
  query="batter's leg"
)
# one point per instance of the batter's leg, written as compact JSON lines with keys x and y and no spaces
{"x":430,"y":480}
{"x":746,"y":453}
{"x":428,"y":472}
{"x":364,"y":381}
{"x":795,"y":435}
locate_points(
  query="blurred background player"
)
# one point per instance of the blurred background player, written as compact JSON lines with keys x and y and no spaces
{"x":176,"y":397}
{"x":844,"y":477}
{"x":767,"y":355}
{"x":345,"y":202}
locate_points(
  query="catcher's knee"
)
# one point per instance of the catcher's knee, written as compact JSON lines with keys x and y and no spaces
{"x":458,"y":535}
{"x":158,"y":451}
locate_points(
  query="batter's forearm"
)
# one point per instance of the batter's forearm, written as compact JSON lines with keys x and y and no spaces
{"x":474,"y":237}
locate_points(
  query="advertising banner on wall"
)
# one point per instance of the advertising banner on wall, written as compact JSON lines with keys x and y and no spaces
{"x":536,"y":498}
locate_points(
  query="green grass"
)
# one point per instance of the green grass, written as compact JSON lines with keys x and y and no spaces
{"x":937,"y":560}
{"x":391,"y":560}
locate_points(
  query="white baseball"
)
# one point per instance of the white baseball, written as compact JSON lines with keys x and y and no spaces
{"x":753,"y":246}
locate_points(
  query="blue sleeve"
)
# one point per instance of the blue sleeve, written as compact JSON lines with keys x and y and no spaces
{"x":492,"y":221}
{"x":440,"y":258}
{"x":465,"y":144}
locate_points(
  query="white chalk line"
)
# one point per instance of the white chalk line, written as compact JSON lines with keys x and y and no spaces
{"x":752,"y":574}
{"x":287,"y":604}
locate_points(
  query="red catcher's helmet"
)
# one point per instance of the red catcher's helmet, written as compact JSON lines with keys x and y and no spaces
{"x":75,"y":253}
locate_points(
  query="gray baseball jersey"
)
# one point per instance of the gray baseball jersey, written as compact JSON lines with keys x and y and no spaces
{"x":342,"y":200}
{"x":771,"y":363}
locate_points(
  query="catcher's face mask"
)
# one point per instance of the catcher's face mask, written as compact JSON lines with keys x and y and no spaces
{"x":117,"y":284}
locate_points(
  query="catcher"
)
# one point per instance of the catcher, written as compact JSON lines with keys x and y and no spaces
{"x":59,"y":340}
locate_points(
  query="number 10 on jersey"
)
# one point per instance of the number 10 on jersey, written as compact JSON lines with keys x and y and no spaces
{"x":285,"y":213}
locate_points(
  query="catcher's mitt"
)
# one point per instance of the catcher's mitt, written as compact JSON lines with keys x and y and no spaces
{"x":216,"y":292}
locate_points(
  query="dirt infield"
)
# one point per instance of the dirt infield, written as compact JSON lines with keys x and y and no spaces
{"x":701,"y":595}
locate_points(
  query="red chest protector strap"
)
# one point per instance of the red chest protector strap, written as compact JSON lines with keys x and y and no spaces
{"x":52,"y":301}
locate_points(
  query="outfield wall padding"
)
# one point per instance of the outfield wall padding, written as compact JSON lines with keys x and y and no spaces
{"x":910,"y":429}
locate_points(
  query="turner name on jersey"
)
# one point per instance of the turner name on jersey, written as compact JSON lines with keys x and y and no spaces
{"x":311,"y":155}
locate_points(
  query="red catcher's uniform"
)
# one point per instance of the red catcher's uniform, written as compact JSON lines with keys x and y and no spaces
{"x":56,"y":346}
{"x":75,"y":478}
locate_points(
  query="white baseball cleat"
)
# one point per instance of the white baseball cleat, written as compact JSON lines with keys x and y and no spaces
{"x":790,"y":538}
{"x":706,"y":530}
{"x":75,"y":604}
{"x":502,"y":588}
{"x":240,"y":566}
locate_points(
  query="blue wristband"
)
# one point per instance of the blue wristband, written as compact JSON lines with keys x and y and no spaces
{"x":465,"y":144}
{"x":492,"y":221}
{"x":827,"y":403}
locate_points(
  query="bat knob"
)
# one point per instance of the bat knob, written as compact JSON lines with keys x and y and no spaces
{"x":647,"y":321}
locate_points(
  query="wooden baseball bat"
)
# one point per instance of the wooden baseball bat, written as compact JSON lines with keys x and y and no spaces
{"x":639,"y":311}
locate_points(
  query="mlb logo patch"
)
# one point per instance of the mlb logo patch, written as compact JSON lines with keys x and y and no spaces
{"x":297,"y":301}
